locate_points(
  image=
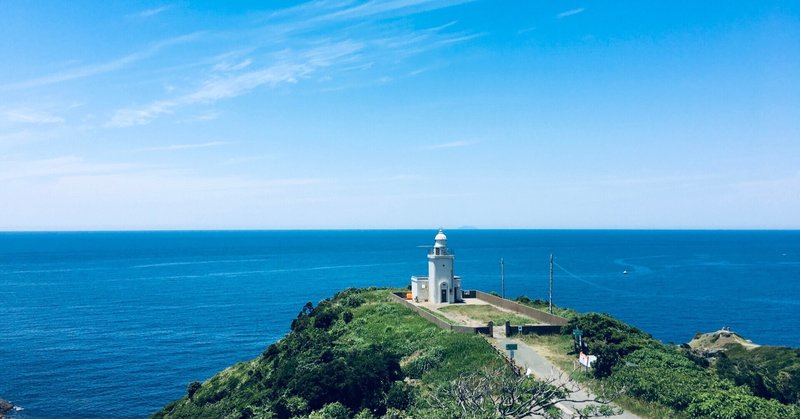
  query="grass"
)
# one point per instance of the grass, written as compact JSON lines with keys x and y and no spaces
{"x":378,"y":322}
{"x":487,"y":313}
{"x":438,"y":315}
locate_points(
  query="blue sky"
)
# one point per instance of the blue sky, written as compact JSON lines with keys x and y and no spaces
{"x":399,"y":114}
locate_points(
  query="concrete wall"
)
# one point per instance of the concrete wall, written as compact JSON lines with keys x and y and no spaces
{"x":468,"y":294}
{"x":536,"y":329}
{"x":539,"y":315}
{"x":486,"y":330}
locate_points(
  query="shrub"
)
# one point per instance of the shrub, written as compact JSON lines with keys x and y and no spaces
{"x":192,"y":388}
{"x":334,"y":410}
{"x":607,"y":338}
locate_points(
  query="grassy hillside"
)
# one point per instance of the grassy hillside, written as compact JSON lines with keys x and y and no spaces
{"x":675,"y":379}
{"x":361,"y":355}
{"x":357,"y":353}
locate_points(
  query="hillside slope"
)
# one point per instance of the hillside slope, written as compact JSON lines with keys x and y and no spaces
{"x":355,"y":353}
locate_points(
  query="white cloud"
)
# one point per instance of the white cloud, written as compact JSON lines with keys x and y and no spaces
{"x":290,"y":70}
{"x":452,"y":144}
{"x":151,"y":12}
{"x":56,"y":166}
{"x":27,"y":116}
{"x":173,"y":147}
{"x":99,"y":68}
{"x":226,"y":66}
{"x":570,"y":12}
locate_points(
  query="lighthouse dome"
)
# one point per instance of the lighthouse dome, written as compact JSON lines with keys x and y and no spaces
{"x":440,"y":236}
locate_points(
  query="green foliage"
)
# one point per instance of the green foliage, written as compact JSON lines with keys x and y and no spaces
{"x":607,"y":338}
{"x":426,"y":361}
{"x":364,"y":414}
{"x":666,"y":376}
{"x":737,"y":403}
{"x":192,"y":388}
{"x":334,"y":410}
{"x":400,"y":396}
{"x":769,"y":372}
{"x":343,"y":353}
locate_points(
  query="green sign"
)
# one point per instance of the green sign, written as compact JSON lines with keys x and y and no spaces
{"x":577,"y":332}
{"x":511,"y":346}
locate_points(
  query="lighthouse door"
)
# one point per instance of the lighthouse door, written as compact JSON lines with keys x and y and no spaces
{"x":444,"y":295}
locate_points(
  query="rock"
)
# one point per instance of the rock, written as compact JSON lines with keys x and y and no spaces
{"x":5,"y":407}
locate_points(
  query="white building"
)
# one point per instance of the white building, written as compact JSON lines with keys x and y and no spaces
{"x":440,"y":286}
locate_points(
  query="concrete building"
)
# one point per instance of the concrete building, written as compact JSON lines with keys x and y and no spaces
{"x":440,"y":286}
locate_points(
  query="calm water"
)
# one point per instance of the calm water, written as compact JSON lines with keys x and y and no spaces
{"x":117,"y":324}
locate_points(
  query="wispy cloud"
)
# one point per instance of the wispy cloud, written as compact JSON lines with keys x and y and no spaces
{"x":226,"y":66}
{"x":452,"y":144}
{"x":151,"y":12}
{"x":289,"y":70}
{"x":340,"y":10}
{"x":56,"y":166}
{"x":100,"y":68}
{"x":569,"y":13}
{"x":27,"y":116}
{"x":173,"y":147}
{"x":247,"y":159}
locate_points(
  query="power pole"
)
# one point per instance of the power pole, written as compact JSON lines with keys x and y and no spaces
{"x":502,"y":279}
{"x":551,"y":283}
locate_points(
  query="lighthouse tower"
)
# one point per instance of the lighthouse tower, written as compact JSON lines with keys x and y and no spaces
{"x":440,"y":286}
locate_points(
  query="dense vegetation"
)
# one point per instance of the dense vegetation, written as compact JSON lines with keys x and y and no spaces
{"x":673,"y":378}
{"x":358,"y":355}
{"x":768,"y":371}
{"x":353,"y":355}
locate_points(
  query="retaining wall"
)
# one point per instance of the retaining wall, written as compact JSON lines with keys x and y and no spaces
{"x":536,"y":329}
{"x":549,"y":319}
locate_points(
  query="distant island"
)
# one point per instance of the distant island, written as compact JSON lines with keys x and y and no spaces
{"x":362,"y":354}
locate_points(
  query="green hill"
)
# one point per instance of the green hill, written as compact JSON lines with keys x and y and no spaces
{"x":361,"y":355}
{"x":355,"y":353}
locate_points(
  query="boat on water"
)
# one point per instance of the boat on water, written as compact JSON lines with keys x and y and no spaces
{"x":625,"y":272}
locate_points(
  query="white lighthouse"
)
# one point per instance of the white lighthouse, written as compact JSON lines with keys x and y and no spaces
{"x":440,"y":286}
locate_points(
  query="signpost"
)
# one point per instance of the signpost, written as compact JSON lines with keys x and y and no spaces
{"x":511,"y":347}
{"x":577,"y":334}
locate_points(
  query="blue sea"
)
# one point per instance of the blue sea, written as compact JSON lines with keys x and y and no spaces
{"x":116,"y":324}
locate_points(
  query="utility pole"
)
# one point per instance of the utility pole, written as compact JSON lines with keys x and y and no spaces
{"x":551,"y":283}
{"x":502,"y":279}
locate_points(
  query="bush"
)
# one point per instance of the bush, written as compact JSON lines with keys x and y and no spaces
{"x":400,"y":396}
{"x":737,"y":403}
{"x":769,"y":372}
{"x":607,"y":338}
{"x":192,"y":388}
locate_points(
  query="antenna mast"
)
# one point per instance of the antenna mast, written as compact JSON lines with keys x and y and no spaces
{"x":551,"y":283}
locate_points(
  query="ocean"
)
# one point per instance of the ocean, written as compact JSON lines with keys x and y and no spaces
{"x":116,"y":324}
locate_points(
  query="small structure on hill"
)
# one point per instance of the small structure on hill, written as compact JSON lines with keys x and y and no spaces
{"x":440,"y":286}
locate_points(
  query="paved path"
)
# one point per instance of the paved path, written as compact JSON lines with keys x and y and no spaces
{"x":542,"y":368}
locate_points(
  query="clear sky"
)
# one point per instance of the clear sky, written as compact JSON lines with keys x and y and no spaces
{"x":399,"y":114}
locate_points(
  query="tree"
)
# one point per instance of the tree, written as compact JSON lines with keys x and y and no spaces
{"x":192,"y":388}
{"x":500,"y":393}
